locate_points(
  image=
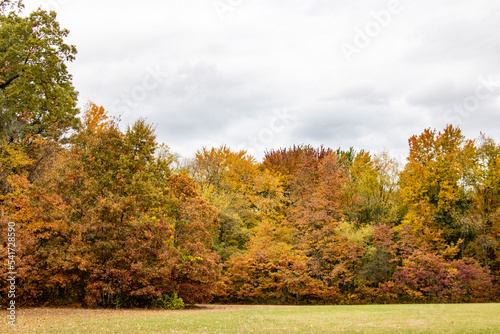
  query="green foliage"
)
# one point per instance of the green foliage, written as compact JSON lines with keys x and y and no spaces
{"x":10,"y":4}
{"x":37,"y":97}
{"x":168,"y":301}
{"x":375,"y":187}
{"x":376,"y":268}
{"x":353,"y":234}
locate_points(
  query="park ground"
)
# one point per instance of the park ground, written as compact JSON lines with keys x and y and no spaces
{"x":429,"y":318}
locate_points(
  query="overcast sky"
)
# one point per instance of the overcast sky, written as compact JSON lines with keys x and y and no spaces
{"x":256,"y":75}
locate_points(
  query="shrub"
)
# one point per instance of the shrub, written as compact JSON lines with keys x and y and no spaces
{"x":168,"y":301}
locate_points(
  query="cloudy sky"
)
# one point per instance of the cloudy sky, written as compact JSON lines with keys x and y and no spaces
{"x":256,"y":75}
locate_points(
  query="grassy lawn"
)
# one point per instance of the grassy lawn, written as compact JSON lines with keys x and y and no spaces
{"x":456,"y":318}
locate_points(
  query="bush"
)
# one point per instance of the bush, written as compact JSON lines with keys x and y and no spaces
{"x":168,"y":301}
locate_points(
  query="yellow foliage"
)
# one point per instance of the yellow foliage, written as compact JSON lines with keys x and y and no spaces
{"x":95,"y":118}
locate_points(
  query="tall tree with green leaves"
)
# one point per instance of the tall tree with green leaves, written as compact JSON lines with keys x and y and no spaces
{"x":37,"y":97}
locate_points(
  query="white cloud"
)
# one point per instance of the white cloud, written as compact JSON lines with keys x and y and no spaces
{"x":223,"y":79}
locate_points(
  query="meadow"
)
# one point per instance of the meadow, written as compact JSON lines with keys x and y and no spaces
{"x":429,"y":318}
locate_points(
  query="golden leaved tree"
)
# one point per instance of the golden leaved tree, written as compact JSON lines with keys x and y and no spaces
{"x":110,"y":224}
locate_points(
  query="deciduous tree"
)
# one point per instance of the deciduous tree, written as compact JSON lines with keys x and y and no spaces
{"x":111,"y":225}
{"x":37,"y":97}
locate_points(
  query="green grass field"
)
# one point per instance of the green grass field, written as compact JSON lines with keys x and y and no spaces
{"x":450,"y":318}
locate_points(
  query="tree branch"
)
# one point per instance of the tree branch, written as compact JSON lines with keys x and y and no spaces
{"x":8,"y":82}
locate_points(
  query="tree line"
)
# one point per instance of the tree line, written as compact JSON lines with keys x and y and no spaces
{"x":110,"y":217}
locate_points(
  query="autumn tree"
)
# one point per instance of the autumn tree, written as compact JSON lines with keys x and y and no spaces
{"x":317,"y":185}
{"x":284,"y":162}
{"x":316,"y":214}
{"x":271,"y":271}
{"x":479,"y":224}
{"x":432,"y":185}
{"x":14,"y":163}
{"x":227,"y":180}
{"x":374,"y":190}
{"x":111,"y":225}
